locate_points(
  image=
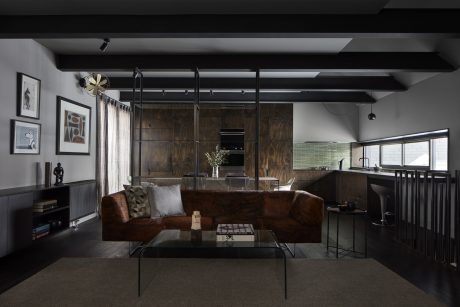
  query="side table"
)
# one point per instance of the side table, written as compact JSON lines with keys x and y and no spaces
{"x":356,"y":212}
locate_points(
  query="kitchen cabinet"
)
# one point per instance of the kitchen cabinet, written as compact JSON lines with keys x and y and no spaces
{"x":352,"y":187}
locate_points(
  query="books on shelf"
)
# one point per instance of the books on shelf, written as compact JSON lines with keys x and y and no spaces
{"x":41,"y":228}
{"x":40,"y":235}
{"x":235,"y":232}
{"x":44,"y":205}
{"x":40,"y":231}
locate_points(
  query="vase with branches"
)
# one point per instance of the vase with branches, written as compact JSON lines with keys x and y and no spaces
{"x":215,"y":159}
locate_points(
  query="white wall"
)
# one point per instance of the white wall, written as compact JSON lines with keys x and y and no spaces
{"x":29,"y":57}
{"x":429,"y":105}
{"x":325,"y":122}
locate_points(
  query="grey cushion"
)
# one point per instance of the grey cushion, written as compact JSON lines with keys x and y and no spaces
{"x":138,"y":201}
{"x":167,"y":201}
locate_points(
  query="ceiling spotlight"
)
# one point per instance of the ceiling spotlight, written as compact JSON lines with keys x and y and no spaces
{"x":371,"y":115}
{"x":243,"y":92}
{"x":105,"y":44}
{"x":211,"y":92}
{"x":163,"y":92}
{"x":186,"y":92}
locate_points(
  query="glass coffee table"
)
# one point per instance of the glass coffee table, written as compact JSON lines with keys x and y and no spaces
{"x":179,"y":244}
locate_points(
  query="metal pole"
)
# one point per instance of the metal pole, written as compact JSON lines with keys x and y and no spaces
{"x":141,"y":118}
{"x":196,"y":127}
{"x":257,"y":143}
{"x":133,"y":135}
{"x":457,"y":219}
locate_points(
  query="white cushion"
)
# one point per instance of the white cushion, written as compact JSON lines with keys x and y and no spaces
{"x":167,"y":201}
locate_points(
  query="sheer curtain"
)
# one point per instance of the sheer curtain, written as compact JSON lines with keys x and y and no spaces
{"x":114,"y":130}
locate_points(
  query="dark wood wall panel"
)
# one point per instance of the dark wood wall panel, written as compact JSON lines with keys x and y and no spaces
{"x":156,"y":157}
{"x":168,"y":131}
{"x":182,"y":158}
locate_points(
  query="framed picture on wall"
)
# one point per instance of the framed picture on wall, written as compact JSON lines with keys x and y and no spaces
{"x":25,"y":137}
{"x":28,"y":96}
{"x":73,"y":127}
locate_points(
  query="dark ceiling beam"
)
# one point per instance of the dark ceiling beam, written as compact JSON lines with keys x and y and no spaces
{"x":388,"y":23}
{"x":388,"y":62}
{"x":388,"y":84}
{"x":219,"y":97}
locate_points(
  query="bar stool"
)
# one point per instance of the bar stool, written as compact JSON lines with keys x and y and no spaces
{"x":384,"y":193}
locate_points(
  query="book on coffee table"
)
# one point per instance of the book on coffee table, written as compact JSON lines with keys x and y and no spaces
{"x":235,"y":232}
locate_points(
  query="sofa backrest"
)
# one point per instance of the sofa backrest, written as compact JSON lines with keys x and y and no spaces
{"x":238,"y":203}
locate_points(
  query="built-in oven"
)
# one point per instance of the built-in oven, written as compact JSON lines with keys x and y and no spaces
{"x":233,"y":140}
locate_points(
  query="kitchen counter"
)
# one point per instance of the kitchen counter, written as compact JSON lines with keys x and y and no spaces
{"x":371,"y":173}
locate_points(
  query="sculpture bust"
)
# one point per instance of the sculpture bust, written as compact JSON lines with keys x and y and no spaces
{"x":59,"y":173}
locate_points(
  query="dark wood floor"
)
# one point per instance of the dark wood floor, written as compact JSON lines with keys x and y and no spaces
{"x":438,"y":280}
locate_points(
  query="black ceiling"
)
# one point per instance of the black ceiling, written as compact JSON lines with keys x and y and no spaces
{"x":376,"y":67}
{"x":387,"y":23}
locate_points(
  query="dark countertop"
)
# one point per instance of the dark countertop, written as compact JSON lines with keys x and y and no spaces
{"x":371,"y":173}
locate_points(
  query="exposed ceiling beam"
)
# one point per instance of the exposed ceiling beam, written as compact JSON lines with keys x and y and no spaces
{"x":388,"y":23}
{"x":175,"y":97}
{"x":387,"y":84}
{"x":341,"y":62}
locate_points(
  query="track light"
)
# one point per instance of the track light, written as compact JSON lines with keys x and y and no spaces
{"x":163,"y":92}
{"x":186,"y":92}
{"x":211,"y":92}
{"x":105,"y":45}
{"x":243,"y":92}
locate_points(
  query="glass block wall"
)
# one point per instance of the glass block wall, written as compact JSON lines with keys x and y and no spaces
{"x":321,"y":155}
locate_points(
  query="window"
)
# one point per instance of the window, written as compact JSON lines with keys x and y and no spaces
{"x":426,"y":150}
{"x":417,"y":154}
{"x":439,"y":154}
{"x":391,"y":154}
{"x":372,"y":152}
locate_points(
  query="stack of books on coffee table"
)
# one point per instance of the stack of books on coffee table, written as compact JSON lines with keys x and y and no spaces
{"x":235,"y":232}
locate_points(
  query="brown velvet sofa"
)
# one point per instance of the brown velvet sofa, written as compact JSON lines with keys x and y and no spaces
{"x":294,"y":216}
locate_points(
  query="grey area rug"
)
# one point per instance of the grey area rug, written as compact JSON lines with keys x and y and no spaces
{"x":216,"y":282}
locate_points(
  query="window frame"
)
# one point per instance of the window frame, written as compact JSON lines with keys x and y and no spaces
{"x":391,"y":165}
{"x":448,"y":152}
{"x":402,"y":140}
{"x":418,"y":167}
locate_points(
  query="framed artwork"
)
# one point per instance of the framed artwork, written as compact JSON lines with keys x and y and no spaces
{"x":25,"y":137}
{"x":28,"y":96}
{"x":73,"y":127}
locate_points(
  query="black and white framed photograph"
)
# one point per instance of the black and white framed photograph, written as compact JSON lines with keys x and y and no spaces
{"x":28,"y":97}
{"x":25,"y":137}
{"x":73,"y":127}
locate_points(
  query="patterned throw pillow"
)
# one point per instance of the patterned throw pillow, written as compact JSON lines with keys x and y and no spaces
{"x":138,"y":201}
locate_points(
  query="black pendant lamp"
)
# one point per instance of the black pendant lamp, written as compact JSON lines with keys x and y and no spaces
{"x":371,"y":115}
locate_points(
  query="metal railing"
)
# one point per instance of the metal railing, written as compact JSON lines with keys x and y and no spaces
{"x":427,"y":214}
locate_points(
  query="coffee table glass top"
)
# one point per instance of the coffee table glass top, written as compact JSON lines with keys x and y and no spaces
{"x":172,"y":238}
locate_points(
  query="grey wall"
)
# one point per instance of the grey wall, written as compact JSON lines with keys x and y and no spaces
{"x":430,"y":105}
{"x":29,"y":57}
{"x":325,"y":122}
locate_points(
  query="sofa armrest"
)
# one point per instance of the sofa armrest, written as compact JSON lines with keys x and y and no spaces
{"x":114,"y":209}
{"x":307,"y":209}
